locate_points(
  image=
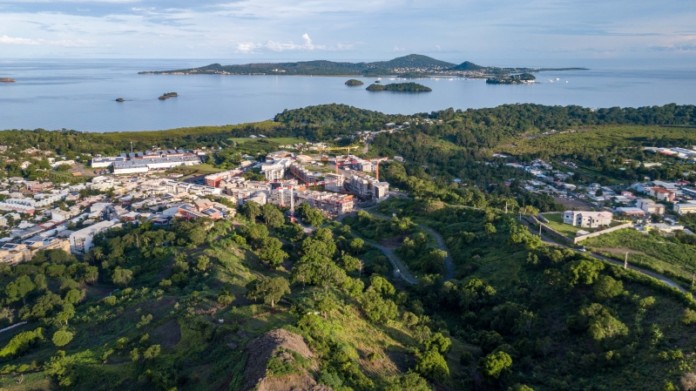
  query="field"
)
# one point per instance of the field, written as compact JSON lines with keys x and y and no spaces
{"x":594,"y":140}
{"x":662,"y":254}
{"x":556,"y":223}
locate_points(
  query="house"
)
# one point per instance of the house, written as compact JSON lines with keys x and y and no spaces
{"x":683,"y":209}
{"x":587,"y":219}
{"x":662,"y":194}
{"x":650,"y":206}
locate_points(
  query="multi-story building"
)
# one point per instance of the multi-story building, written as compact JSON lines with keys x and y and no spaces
{"x":587,"y":219}
{"x":81,"y":241}
{"x":651,"y":207}
{"x":685,"y":208}
{"x":366,"y":187}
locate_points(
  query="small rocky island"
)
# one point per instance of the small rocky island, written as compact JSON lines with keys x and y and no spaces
{"x":7,"y":80}
{"x":523,"y":78}
{"x":399,"y":87}
{"x":168,"y":95}
{"x":354,"y":83}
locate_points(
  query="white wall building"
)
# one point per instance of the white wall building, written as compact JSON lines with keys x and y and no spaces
{"x":587,"y":219}
{"x":81,"y":241}
{"x":683,"y":209}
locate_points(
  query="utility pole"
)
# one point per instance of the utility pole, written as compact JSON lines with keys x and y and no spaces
{"x":131,"y":146}
{"x":626,"y":261}
{"x":540,"y":228}
{"x":506,"y":210}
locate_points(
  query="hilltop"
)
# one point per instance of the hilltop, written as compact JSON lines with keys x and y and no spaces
{"x":410,"y":65}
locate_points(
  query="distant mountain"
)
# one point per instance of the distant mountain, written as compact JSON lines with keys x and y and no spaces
{"x":468,"y":66}
{"x":412,"y":65}
{"x":413,"y":61}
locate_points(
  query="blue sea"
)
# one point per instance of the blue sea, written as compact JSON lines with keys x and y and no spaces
{"x":80,"y":94}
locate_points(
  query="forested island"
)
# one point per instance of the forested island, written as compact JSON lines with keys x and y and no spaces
{"x":354,"y":83}
{"x":398,"y":87}
{"x":523,"y":78}
{"x":257,"y":300}
{"x":413,"y":65}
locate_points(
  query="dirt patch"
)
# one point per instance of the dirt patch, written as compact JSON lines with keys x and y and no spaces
{"x":167,"y":334}
{"x":262,"y":349}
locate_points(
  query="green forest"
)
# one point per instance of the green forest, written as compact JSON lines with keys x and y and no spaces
{"x":259,"y":301}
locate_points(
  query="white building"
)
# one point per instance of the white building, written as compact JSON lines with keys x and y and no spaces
{"x":587,"y":219}
{"x":81,"y":241}
{"x":651,"y":207}
{"x":682,"y":209}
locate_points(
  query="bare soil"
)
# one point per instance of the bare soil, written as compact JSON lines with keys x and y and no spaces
{"x":260,"y":352}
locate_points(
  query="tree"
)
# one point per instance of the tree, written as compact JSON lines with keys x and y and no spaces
{"x":689,"y":316}
{"x":606,"y":288}
{"x":270,"y":290}
{"x":62,"y":337}
{"x":495,"y":363}
{"x":19,"y":288}
{"x":585,"y":271}
{"x":202,"y":263}
{"x":432,"y":365}
{"x":122,"y":276}
{"x":272,"y":252}
{"x":272,"y":216}
{"x":350,"y":263}
{"x":152,"y":352}
{"x":251,"y":210}
{"x":356,"y":246}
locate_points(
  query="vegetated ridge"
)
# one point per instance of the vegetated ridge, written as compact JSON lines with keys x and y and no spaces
{"x":410,"y":65}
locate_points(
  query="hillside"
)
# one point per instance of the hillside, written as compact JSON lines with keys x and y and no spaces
{"x":258,"y":302}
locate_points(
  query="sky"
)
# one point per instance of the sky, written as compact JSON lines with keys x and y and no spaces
{"x":491,"y":32}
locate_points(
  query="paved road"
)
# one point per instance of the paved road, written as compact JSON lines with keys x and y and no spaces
{"x":400,"y":269}
{"x":440,"y":244}
{"x":449,"y":263}
{"x":664,"y":279}
{"x":13,"y":327}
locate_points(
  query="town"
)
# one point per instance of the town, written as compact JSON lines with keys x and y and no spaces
{"x":136,"y":186}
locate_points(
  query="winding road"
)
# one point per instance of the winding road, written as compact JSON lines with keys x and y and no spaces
{"x":660,"y":277}
{"x":399,"y":266}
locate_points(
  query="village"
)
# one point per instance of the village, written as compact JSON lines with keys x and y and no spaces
{"x":136,"y":186}
{"x":596,"y":208}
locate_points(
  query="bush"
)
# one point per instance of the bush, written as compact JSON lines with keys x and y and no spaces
{"x":495,"y":363}
{"x":62,"y":337}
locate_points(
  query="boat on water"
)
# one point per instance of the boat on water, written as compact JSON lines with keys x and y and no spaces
{"x":7,"y":80}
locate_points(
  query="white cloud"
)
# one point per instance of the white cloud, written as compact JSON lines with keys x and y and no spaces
{"x":7,"y":40}
{"x":276,"y":46}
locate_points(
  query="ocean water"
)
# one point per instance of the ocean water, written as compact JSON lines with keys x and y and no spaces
{"x":80,"y":94}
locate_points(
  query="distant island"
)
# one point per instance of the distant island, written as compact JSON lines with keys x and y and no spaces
{"x":412,"y":65}
{"x":7,"y":80}
{"x":399,"y":87}
{"x":120,"y":100}
{"x":523,"y":78}
{"x":354,"y":83}
{"x":168,"y":95}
